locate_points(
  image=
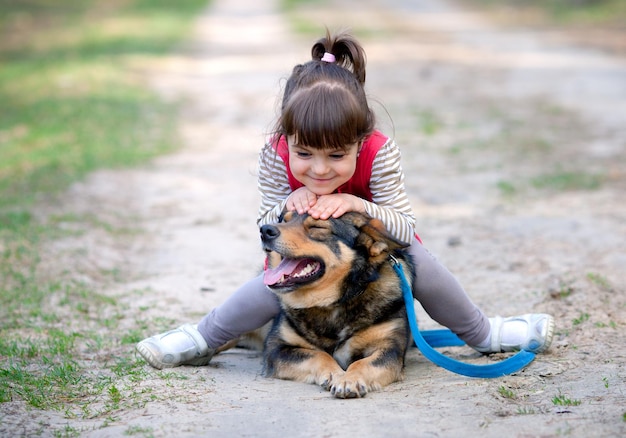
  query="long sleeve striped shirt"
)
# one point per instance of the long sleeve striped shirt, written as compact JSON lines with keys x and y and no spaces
{"x":389,"y":202}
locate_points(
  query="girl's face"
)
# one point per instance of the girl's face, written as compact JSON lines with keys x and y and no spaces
{"x":322,"y":171}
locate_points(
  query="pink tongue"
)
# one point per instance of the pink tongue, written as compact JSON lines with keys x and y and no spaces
{"x":286,"y":267}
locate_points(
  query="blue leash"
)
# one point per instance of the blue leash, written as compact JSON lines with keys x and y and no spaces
{"x":427,"y":339}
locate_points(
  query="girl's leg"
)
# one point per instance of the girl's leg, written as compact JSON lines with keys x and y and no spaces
{"x":443,"y":298}
{"x":445,"y":301}
{"x":249,"y":308}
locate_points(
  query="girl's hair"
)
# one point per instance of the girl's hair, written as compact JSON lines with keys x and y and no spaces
{"x":324,"y":104}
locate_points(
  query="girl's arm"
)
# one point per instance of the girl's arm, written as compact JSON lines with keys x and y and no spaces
{"x":273,"y":185}
{"x":390,"y":202}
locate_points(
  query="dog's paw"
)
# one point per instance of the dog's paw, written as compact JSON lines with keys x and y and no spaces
{"x":346,"y":388}
{"x":325,"y":380}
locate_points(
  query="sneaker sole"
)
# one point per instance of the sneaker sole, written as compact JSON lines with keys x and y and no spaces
{"x":156,"y":363}
{"x":149,"y":357}
{"x":549,"y":336}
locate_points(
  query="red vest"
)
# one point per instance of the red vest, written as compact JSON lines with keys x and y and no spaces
{"x":359,"y":184}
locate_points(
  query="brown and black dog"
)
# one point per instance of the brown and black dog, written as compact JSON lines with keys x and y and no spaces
{"x":343,"y":324}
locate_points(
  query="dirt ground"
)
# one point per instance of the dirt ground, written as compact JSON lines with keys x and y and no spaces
{"x":491,"y":123}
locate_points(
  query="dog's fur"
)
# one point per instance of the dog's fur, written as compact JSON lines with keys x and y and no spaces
{"x":343,"y":324}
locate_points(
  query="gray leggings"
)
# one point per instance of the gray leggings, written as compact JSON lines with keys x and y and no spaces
{"x":438,"y":291}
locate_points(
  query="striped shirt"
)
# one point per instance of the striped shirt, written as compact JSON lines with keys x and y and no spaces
{"x":389,"y":202}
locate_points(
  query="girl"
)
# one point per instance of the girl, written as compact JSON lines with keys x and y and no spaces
{"x":326,"y":159}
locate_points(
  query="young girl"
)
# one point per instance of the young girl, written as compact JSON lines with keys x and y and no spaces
{"x":326,"y":159}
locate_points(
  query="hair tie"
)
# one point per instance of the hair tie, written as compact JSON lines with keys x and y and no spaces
{"x":328,"y":57}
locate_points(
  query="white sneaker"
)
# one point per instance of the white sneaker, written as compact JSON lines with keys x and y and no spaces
{"x":507,"y":334}
{"x":181,"y":346}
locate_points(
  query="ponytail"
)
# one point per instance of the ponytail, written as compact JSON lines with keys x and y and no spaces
{"x":346,"y":50}
{"x":324,"y":103}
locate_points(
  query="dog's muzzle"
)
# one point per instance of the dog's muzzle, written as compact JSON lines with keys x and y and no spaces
{"x":269,"y":233}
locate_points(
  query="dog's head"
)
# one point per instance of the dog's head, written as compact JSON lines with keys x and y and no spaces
{"x":313,"y":262}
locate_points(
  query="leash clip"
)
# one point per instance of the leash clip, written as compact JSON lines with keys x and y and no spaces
{"x":394,"y":260}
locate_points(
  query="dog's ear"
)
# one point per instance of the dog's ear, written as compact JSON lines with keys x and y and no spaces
{"x":378,"y":238}
{"x":373,"y":234}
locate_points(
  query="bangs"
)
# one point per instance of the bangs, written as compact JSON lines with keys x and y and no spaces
{"x":323,"y":117}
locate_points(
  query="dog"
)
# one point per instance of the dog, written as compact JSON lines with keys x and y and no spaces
{"x":342,"y":323}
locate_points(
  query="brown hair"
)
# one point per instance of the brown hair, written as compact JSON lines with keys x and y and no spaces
{"x":324,"y":104}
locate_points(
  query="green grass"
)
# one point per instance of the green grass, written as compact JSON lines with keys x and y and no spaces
{"x":428,"y":121}
{"x":606,"y":14}
{"x":137,"y":430}
{"x":506,"y":392}
{"x":525,"y":410}
{"x":561,"y":180}
{"x":583,"y":317}
{"x":69,"y":98}
{"x":566,"y":12}
{"x":599,"y":280}
{"x":73,"y":99}
{"x":563,"y":400}
{"x":290,"y":5}
{"x":300,"y":22}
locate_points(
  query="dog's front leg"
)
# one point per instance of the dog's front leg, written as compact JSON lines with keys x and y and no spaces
{"x":368,"y":374}
{"x":381,"y":350}
{"x":303,"y":365}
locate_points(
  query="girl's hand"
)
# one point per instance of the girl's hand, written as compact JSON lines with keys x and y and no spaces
{"x":301,"y":200}
{"x":335,"y":205}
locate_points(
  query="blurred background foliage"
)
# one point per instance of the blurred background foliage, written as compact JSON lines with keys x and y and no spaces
{"x":70,"y":99}
{"x":71,"y":102}
{"x":73,"y":98}
{"x":572,"y":12}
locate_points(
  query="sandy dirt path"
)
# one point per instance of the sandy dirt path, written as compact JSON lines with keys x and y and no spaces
{"x":479,"y":113}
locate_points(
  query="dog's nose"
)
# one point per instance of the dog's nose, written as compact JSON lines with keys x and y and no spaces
{"x":269,"y":232}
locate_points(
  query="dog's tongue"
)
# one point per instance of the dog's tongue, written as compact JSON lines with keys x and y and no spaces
{"x":286,"y":267}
